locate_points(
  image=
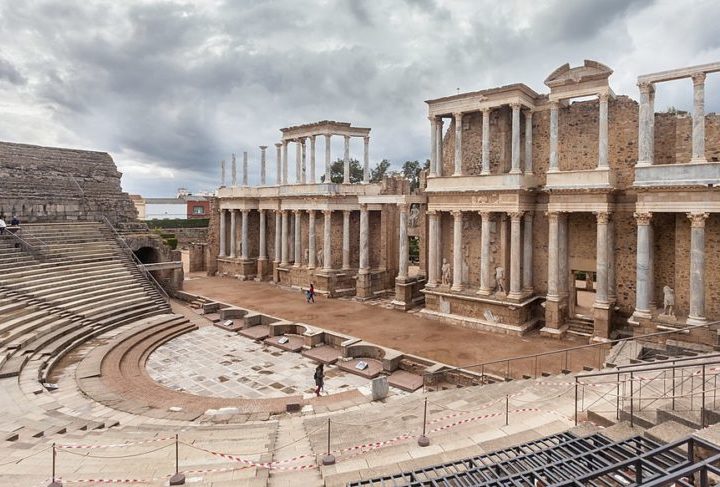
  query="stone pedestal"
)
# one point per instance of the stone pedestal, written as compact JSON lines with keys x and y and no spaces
{"x":380,"y":388}
{"x":363,"y":286}
{"x":602,"y":319}
{"x":407,"y":293}
{"x":554,"y":318}
{"x":247,"y":269}
{"x":264,"y":268}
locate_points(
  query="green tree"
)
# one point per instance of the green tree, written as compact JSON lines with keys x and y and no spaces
{"x":378,"y":172}
{"x":411,"y":171}
{"x":337,"y":170}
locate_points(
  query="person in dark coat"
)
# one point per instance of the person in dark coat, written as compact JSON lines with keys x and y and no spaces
{"x":319,"y":379}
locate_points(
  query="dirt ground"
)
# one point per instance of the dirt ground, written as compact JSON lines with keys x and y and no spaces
{"x":407,"y":332}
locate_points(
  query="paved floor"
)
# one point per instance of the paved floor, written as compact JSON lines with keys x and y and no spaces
{"x":213,"y":362}
{"x":407,"y":332}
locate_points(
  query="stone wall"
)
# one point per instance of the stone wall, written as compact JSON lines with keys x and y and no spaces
{"x":213,"y":241}
{"x":45,"y":184}
{"x":187,"y":236}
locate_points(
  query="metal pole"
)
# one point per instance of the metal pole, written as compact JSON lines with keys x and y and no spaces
{"x":424,"y":440}
{"x":702,"y":408}
{"x":566,"y":361}
{"x":617,"y":398}
{"x":576,"y":398}
{"x":632,"y":419}
{"x":507,"y":409}
{"x":328,"y":459}
{"x":178,"y":478}
{"x":692,"y":390}
{"x":55,"y":482}
{"x":673,"y":387}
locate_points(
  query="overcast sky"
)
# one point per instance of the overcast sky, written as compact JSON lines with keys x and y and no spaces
{"x":170,"y":88}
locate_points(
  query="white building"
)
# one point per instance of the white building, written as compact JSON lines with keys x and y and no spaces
{"x":165,"y":208}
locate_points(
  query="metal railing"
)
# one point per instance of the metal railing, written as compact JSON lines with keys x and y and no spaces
{"x":572,"y":359}
{"x":38,"y":248}
{"x":129,"y":252}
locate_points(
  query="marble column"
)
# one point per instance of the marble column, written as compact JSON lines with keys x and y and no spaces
{"x":312,"y":160}
{"x":553,"y":292}
{"x":601,"y":259}
{"x":432,"y":248}
{"x":612,"y":296}
{"x":563,"y":277}
{"x":603,"y":132}
{"x":262,"y":253}
{"x":528,"y":142}
{"x":486,"y":142}
{"x":457,"y":284}
{"x":233,"y":234}
{"x":364,"y":239}
{"x":278,"y":163}
{"x":278,"y":236}
{"x":298,"y":161}
{"x":439,"y":148}
{"x":223,"y":233}
{"x":291,"y":236}
{"x":697,"y":268}
{"x":527,"y":254}
{"x":645,"y":117}
{"x":346,"y":240}
{"x":554,"y":106}
{"x":458,"y":144}
{"x":328,"y":156}
{"x":515,"y":255}
{"x":284,"y":250}
{"x":642,"y":277}
{"x":303,"y":161}
{"x":433,"y":146}
{"x":245,"y":169}
{"x":327,"y":240}
{"x":404,"y":254}
{"x":366,"y":159}
{"x":233,"y":172}
{"x":284,"y":162}
{"x":263,"y":181}
{"x":298,"y":238}
{"x":346,"y":161}
{"x":312,"y":247}
{"x":244,"y":235}
{"x":515,"y":146}
{"x":698,"y":118}
{"x":485,"y":253}
{"x":651,"y":269}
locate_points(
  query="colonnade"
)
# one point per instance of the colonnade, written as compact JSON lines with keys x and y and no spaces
{"x":521,"y":249}
{"x":302,"y":175}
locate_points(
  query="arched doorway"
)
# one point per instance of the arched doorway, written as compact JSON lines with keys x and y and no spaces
{"x":147,"y":255}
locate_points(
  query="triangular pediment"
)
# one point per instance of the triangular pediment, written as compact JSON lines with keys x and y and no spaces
{"x":589,"y":71}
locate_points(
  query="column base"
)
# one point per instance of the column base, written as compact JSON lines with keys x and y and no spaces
{"x":431,"y":284}
{"x":696,"y":320}
{"x":515,"y":295}
{"x":363,"y":284}
{"x":484,"y":291}
{"x":407,"y":293}
{"x":457,"y":289}
{"x":641,"y":314}
{"x":263,"y":269}
{"x":602,"y":320}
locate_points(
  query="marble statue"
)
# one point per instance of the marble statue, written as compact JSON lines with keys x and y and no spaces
{"x":414,"y":217}
{"x":306,"y":258}
{"x":500,"y":279}
{"x":319,"y":257}
{"x":668,"y":301}
{"x":446,"y":273}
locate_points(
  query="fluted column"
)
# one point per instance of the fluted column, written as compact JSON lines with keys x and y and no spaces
{"x":245,"y":169}
{"x":612,"y":296}
{"x":485,"y":253}
{"x":278,"y":163}
{"x":233,"y":234}
{"x":285,"y":225}
{"x":515,"y":147}
{"x":554,"y":106}
{"x":527,"y":254}
{"x":486,"y":142}
{"x":457,"y":251}
{"x":698,"y":118}
{"x":439,"y":148}
{"x":642,"y":272}
{"x":433,"y":146}
{"x":244,"y":235}
{"x":298,"y":238}
{"x":284,"y":161}
{"x":312,"y":247}
{"x":346,"y":161}
{"x":312,"y":160}
{"x":262,"y":254}
{"x":515,"y":255}
{"x":697,"y":268}
{"x":298,"y":161}
{"x":364,"y":239}
{"x":262,"y":165}
{"x":603,"y":132}
{"x":563,"y":277}
{"x":528,"y":142}
{"x":458,"y":144}
{"x":223,"y":234}
{"x":366,"y":159}
{"x":328,"y":157}
{"x":346,"y":240}
{"x":646,"y":117}
{"x":291,"y":236}
{"x":233,"y":174}
{"x":553,"y":293}
{"x":601,"y":260}
{"x":432,"y":248}
{"x":327,"y":240}
{"x":278,"y":236}
{"x":404,"y":250}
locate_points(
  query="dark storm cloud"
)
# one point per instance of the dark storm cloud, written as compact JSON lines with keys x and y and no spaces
{"x":172,"y":87}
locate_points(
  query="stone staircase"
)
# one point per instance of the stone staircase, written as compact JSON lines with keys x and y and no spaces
{"x":580,"y":326}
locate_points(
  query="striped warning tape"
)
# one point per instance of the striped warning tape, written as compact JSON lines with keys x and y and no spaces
{"x":478,"y":418}
{"x":117,"y":445}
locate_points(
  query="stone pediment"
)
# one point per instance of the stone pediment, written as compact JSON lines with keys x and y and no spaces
{"x":589,"y":71}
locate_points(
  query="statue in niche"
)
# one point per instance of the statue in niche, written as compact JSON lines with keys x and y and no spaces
{"x":588,"y":281}
{"x":319,"y":258}
{"x":413,"y":217}
{"x":306,"y":258}
{"x":446,"y":273}
{"x":668,"y":301}
{"x":500,"y":280}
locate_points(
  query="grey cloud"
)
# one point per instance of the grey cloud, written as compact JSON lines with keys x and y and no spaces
{"x":9,"y":73}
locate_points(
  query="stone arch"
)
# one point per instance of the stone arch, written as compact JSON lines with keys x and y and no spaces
{"x":148,"y":255}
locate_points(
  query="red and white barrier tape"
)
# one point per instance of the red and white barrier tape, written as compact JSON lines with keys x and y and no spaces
{"x":117,"y":445}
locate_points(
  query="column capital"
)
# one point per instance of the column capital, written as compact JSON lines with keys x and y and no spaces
{"x":697,"y":220}
{"x":458,"y":115}
{"x":602,"y":217}
{"x":403,"y":207}
{"x":515,"y":106}
{"x":366,"y":138}
{"x":646,"y":88}
{"x":261,"y":210}
{"x":485,"y":215}
{"x":245,"y":211}
{"x":284,"y":142}
{"x":327,"y":212}
{"x":363,"y":207}
{"x":553,"y":215}
{"x":698,"y":78}
{"x":604,"y":97}
{"x":643,"y":218}
{"x":263,"y":147}
{"x":347,"y":137}
{"x":346,"y":212}
{"x":516,"y":216}
{"x":278,"y":144}
{"x":327,"y":136}
{"x":457,"y":214}
{"x":310,"y":212}
{"x":554,"y":105}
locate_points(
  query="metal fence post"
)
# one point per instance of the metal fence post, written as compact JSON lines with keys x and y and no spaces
{"x":55,"y":482}
{"x":576,"y":398}
{"x":423,"y":440}
{"x":507,"y":409}
{"x":702,"y":407}
{"x":632,"y":412}
{"x":178,"y":478}
{"x":617,"y":397}
{"x":328,"y":459}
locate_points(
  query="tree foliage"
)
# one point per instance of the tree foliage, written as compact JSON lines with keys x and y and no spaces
{"x":337,"y":169}
{"x":411,"y":171}
{"x":378,"y":172}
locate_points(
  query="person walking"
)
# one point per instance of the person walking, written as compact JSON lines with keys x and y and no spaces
{"x":3,"y":225}
{"x":311,"y":293}
{"x":319,"y":379}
